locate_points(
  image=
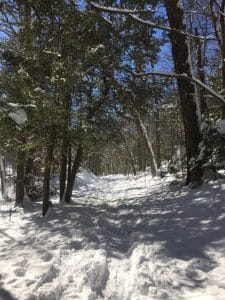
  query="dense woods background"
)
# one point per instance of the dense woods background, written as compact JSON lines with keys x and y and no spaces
{"x":112,"y":86}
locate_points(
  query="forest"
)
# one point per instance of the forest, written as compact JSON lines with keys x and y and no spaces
{"x":110,"y":91}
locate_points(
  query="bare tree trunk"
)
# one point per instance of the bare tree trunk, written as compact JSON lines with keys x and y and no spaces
{"x":219,"y":28}
{"x":65,"y":143}
{"x":69,"y":162}
{"x":201,"y":74}
{"x":141,"y":125}
{"x":74,"y":170}
{"x":3,"y":176}
{"x":130,"y":153}
{"x":63,"y":169}
{"x":187,"y":92}
{"x":132,"y":161}
{"x":46,"y":177}
{"x":29,"y":172}
{"x":20,"y":175}
{"x":157,"y":135}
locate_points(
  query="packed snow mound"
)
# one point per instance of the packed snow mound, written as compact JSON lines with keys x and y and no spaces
{"x":113,"y":188}
{"x":83,"y":274}
{"x":86,"y":177}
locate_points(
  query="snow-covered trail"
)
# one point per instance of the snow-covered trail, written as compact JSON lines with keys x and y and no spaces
{"x":121,"y":239}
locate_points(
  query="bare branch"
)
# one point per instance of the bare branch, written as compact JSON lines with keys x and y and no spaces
{"x":185,"y":76}
{"x":131,"y":13}
{"x":220,"y":11}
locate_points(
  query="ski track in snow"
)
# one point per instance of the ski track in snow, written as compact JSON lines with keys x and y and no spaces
{"x":121,"y":239}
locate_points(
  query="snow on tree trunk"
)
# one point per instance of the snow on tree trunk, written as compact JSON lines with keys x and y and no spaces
{"x":187,"y":92}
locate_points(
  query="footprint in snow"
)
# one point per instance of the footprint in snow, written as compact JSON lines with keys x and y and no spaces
{"x":21,"y":263}
{"x":20,"y":272}
{"x":46,"y":257}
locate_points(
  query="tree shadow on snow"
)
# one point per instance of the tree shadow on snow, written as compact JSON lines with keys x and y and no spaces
{"x":186,"y":222}
{"x":6,"y":295}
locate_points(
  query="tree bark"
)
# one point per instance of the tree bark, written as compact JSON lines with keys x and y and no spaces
{"x":65,"y":145}
{"x":3,"y":176}
{"x":187,"y":92}
{"x":130,"y":153}
{"x":46,"y":177}
{"x":74,"y":170}
{"x":153,"y":163}
{"x":69,"y":162}
{"x":157,"y":135}
{"x":201,"y":74}
{"x":63,"y":168}
{"x":20,"y":176}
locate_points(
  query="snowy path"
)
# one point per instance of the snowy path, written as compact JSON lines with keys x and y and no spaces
{"x":122,"y":239}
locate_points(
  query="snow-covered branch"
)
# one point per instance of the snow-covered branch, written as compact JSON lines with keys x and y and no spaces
{"x":193,"y":79}
{"x":118,"y":10}
{"x":14,"y":111}
{"x":131,"y":13}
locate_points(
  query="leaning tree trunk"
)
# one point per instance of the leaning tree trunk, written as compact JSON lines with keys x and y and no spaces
{"x":130,"y":153}
{"x":46,"y":177}
{"x":153,"y":163}
{"x":187,"y":92}
{"x":74,"y":170}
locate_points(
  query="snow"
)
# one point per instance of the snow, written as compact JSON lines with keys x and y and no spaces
{"x":14,"y":111}
{"x":221,"y":126}
{"x":19,"y":116}
{"x":122,"y":238}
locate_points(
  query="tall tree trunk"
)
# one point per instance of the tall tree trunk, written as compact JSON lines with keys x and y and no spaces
{"x":20,"y":175}
{"x":132,"y":160}
{"x":157,"y":135}
{"x":29,"y":170}
{"x":46,"y":177}
{"x":130,"y":153}
{"x":219,"y":28}
{"x":63,"y":168}
{"x":65,"y":145}
{"x":187,"y":92}
{"x":201,"y":73}
{"x":3,"y":176}
{"x":78,"y":159}
{"x":153,"y":164}
{"x":74,"y":170}
{"x":69,"y":161}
